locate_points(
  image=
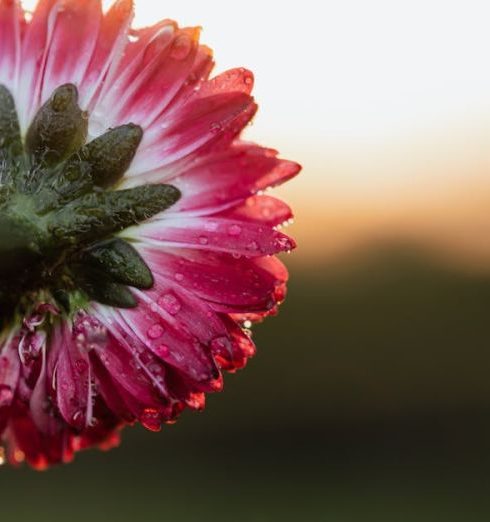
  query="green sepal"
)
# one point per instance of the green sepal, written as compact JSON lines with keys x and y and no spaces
{"x":120,"y":261}
{"x":110,"y":155}
{"x":59,"y":127}
{"x":10,"y":140}
{"x":99,"y":214}
{"x":62,"y":185}
{"x":98,"y":288}
{"x":20,"y":241}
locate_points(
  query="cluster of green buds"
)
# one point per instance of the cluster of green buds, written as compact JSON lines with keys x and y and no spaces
{"x":61,"y":212}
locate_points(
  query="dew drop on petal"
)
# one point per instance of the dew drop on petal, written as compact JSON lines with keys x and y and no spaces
{"x":151,"y":419}
{"x":211,"y":226}
{"x":284,"y":243}
{"x":196,"y":401}
{"x":234,"y":230}
{"x":248,"y":78}
{"x":77,"y":419}
{"x":215,"y":127}
{"x":203,"y":240}
{"x":170,"y":304}
{"x":179,"y":277}
{"x":155,"y":331}
{"x":163,"y":350}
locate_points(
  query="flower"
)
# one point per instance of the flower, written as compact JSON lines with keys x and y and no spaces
{"x":136,"y":244}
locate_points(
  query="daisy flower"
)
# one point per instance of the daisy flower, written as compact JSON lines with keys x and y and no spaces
{"x":136,"y":244}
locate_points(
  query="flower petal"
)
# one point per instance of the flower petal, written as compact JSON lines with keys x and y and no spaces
{"x":260,"y":209}
{"x":11,"y":26}
{"x":219,"y":113}
{"x":59,"y":28}
{"x":228,"y":284}
{"x":73,"y":377}
{"x":214,"y":233}
{"x":112,"y":39}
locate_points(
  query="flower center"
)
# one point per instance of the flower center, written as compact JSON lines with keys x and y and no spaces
{"x":60,"y":212}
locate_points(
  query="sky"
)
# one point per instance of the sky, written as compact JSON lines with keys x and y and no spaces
{"x":386,"y":104}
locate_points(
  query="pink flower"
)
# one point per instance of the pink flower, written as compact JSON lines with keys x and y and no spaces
{"x":135,"y":241}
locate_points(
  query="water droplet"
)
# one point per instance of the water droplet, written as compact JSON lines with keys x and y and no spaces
{"x":78,"y":419}
{"x":284,"y":243}
{"x":151,"y":419}
{"x":155,"y":331}
{"x":196,"y":401}
{"x":179,"y":277}
{"x":163,"y":350}
{"x":215,"y":127}
{"x":234,"y":230}
{"x":19,"y":456}
{"x":203,"y":240}
{"x":253,"y":245}
{"x":211,"y":226}
{"x":170,"y":303}
{"x":247,"y":324}
{"x":248,"y":78}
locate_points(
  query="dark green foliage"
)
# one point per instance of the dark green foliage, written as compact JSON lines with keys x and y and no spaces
{"x":58,"y":129}
{"x":10,"y":140}
{"x":58,"y":209}
{"x":119,"y":260}
{"x":110,"y":155}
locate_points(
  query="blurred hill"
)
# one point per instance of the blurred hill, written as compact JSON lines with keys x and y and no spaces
{"x":369,"y":399}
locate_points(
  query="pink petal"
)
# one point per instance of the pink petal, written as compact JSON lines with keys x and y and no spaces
{"x":72,"y":376}
{"x":108,"y":51}
{"x":72,"y":42}
{"x":224,"y":178}
{"x":227,"y":283}
{"x":198,"y":124}
{"x":191,"y":314}
{"x":39,"y":449}
{"x":124,"y":75}
{"x":160,"y":79}
{"x":216,"y":234}
{"x":9,"y":378}
{"x":233,"y":351}
{"x":260,"y":209}
{"x":155,"y":330}
{"x":11,"y":26}
{"x":124,"y":383}
{"x":37,"y":35}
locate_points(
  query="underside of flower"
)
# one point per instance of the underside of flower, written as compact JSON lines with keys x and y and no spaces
{"x":136,"y":243}
{"x":60,"y":210}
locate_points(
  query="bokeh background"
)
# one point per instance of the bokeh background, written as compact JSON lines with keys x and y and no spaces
{"x":369,"y":398}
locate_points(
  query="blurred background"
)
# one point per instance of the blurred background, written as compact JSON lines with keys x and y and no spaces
{"x":369,"y":398}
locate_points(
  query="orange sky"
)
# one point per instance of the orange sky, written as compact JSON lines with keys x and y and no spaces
{"x":385,"y":103}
